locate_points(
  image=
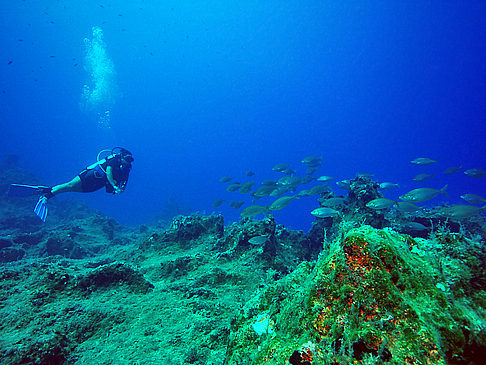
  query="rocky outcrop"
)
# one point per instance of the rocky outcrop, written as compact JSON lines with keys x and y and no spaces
{"x":114,"y":275}
{"x":370,"y":298}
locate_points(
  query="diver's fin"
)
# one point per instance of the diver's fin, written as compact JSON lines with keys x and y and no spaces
{"x":41,"y":208}
{"x":19,"y":190}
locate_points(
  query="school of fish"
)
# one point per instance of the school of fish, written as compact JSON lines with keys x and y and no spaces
{"x":287,"y":188}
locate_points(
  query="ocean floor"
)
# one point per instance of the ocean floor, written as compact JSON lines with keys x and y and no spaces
{"x":82,"y":289}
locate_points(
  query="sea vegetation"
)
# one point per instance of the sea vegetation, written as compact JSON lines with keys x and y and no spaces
{"x":375,"y":296}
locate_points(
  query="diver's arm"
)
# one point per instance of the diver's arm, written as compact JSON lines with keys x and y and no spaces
{"x":111,"y":180}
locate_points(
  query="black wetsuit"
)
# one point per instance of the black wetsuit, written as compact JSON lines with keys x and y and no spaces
{"x":93,"y":179}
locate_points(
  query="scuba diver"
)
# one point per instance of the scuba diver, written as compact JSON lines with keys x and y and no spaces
{"x":110,"y":172}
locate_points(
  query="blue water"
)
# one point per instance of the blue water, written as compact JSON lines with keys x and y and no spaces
{"x":202,"y":89}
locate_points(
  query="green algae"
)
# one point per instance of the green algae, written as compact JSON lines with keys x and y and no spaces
{"x":369,"y":298}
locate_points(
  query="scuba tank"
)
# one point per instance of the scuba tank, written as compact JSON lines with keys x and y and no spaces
{"x":124,"y":169}
{"x":115,"y":151}
{"x":97,"y":166}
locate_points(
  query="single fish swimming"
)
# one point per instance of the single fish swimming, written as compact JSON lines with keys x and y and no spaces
{"x":406,"y":207}
{"x":233,"y":187}
{"x":422,"y":177}
{"x":312,"y":161}
{"x":474,"y":199}
{"x":281,"y":203}
{"x":452,"y":170}
{"x":475,"y":173}
{"x":254,"y":210}
{"x":344,"y":184}
{"x":258,"y":240}
{"x":380,"y":203}
{"x":462,"y":210}
{"x":280,"y":167}
{"x":423,"y":161}
{"x":218,"y":202}
{"x":324,"y":178}
{"x":423,"y":194}
{"x":325,"y":212}
{"x":388,"y":185}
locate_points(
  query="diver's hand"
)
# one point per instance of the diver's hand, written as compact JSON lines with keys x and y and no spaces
{"x":117,"y":190}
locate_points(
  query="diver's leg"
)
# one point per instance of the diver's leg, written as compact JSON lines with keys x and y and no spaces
{"x":73,"y":186}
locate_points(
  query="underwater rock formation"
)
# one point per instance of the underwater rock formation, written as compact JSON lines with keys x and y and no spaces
{"x":238,"y":236}
{"x":353,"y":210}
{"x":184,"y":229}
{"x":362,"y":190}
{"x":369,"y":299}
{"x":114,"y":275}
{"x":83,"y":289}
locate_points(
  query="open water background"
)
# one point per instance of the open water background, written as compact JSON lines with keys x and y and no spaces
{"x":205,"y":89}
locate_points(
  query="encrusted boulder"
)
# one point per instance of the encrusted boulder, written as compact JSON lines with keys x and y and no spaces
{"x":114,"y":275}
{"x":368,"y":299}
{"x":239,"y":235}
{"x":362,"y":190}
{"x":193,"y":226}
{"x":303,"y":248}
{"x":29,"y":239}
{"x":184,"y":229}
{"x":9,"y":254}
{"x":5,"y":242}
{"x":64,"y":246}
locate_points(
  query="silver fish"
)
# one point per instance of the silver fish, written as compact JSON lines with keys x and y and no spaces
{"x":225,"y":179}
{"x":324,"y":178}
{"x":423,"y":161}
{"x":233,"y":187}
{"x":380,"y":203}
{"x":281,"y":203}
{"x":422,"y":177}
{"x":303,"y":193}
{"x":288,"y":171}
{"x":388,"y":185}
{"x":422,"y":194}
{"x":289,"y":181}
{"x":218,"y":202}
{"x":452,"y":170}
{"x":474,"y":199}
{"x":324,"y":212}
{"x":280,"y":167}
{"x":413,"y":226}
{"x":312,"y":161}
{"x":318,"y":189}
{"x":281,"y":190}
{"x":263,"y":191}
{"x":254,"y":210}
{"x":344,"y":184}
{"x":258,"y":240}
{"x":475,"y":173}
{"x":246,"y":187}
{"x":406,"y":207}
{"x":462,"y":210}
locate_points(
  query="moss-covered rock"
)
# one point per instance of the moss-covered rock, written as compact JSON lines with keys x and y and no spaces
{"x":115,"y":274}
{"x":10,"y":254}
{"x":368,"y":299}
{"x":185,"y":229}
